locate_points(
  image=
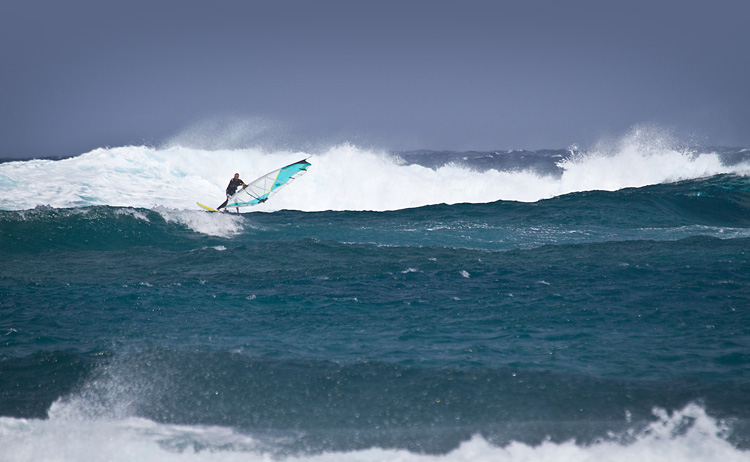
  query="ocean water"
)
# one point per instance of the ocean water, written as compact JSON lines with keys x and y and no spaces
{"x":558,"y":305}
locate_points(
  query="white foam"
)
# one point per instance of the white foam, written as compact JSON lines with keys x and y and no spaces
{"x":214,"y":224}
{"x":644,"y":157}
{"x":687,"y":435}
{"x":344,"y":177}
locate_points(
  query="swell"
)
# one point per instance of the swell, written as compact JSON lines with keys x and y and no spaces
{"x":721,"y":200}
{"x":30,"y":384}
{"x":46,"y":229}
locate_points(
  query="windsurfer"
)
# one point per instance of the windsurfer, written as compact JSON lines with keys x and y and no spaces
{"x":234,"y":183}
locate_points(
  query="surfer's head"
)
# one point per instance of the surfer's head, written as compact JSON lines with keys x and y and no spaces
{"x":236,"y":175}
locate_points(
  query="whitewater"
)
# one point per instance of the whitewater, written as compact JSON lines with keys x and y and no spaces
{"x":344,"y":177}
{"x":139,"y":439}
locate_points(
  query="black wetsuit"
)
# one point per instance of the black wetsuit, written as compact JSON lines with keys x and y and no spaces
{"x":234,"y":183}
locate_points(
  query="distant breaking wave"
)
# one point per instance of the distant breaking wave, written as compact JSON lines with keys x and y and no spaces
{"x":347,"y":177}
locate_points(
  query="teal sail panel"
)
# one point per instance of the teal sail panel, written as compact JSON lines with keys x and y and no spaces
{"x":259,"y":190}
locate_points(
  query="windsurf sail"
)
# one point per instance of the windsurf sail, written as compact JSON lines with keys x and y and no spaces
{"x":258,"y":191}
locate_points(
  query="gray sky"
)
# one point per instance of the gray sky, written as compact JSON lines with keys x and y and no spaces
{"x":460,"y":75}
